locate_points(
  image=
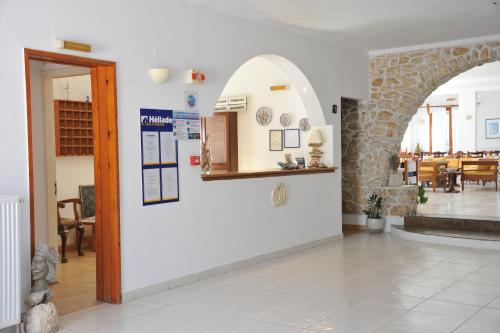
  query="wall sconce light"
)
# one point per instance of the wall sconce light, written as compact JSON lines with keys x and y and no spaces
{"x":75,"y":46}
{"x":279,"y":87}
{"x":158,"y":75}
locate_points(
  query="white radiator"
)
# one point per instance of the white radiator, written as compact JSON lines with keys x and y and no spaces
{"x":10,"y":271}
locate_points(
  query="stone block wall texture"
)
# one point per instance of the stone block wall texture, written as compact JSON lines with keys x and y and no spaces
{"x":372,"y":130}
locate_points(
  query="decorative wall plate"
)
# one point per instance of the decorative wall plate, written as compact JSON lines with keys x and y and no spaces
{"x":264,"y":115}
{"x":304,"y":124}
{"x":285,"y":120}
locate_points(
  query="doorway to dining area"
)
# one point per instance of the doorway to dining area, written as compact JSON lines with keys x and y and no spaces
{"x":452,"y":146}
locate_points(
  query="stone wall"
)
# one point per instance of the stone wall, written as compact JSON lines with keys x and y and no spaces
{"x":372,"y":130}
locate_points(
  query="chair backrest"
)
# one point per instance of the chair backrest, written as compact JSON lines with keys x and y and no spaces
{"x":438,"y":153}
{"x":87,"y":195}
{"x":476,"y":154}
{"x":62,"y":204}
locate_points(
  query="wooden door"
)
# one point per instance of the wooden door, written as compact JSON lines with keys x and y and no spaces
{"x":221,"y":133}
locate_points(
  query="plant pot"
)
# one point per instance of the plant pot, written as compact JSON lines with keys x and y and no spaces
{"x":375,"y":226}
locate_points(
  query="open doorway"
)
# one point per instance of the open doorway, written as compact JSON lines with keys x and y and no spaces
{"x":72,"y":135}
{"x":452,"y":145}
{"x":64,"y":178}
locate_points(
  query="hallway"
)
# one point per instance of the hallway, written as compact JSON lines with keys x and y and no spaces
{"x":364,"y":283}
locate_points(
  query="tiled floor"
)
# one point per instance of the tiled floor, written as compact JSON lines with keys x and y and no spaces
{"x":75,"y":289}
{"x":475,"y":200}
{"x":375,"y":283}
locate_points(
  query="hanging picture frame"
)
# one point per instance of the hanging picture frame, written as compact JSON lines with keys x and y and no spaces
{"x":275,"y":140}
{"x":492,"y":130}
{"x":291,"y":138}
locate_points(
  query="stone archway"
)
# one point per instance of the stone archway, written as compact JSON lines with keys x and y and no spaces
{"x":399,"y":83}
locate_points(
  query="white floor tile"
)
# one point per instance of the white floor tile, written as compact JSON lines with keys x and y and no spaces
{"x":478,"y":327}
{"x":429,"y":321}
{"x":171,"y":315}
{"x":460,"y":296}
{"x":257,"y":306}
{"x":100,"y":316}
{"x":215,"y":323}
{"x":260,"y":327}
{"x":359,"y":318}
{"x":307,"y":312}
{"x":478,"y":287}
{"x":450,"y":309}
{"x":393,"y":299}
{"x":489,"y":315}
{"x":495,"y":303}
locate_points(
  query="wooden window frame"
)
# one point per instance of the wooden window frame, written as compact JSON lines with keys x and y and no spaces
{"x":105,"y":137}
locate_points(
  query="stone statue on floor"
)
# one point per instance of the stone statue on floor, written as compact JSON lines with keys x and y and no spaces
{"x":42,"y":316}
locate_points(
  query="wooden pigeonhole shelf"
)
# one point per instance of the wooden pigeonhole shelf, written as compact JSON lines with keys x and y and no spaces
{"x":73,"y":126}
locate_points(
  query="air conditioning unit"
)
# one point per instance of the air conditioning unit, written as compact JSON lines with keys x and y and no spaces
{"x":236,"y":103}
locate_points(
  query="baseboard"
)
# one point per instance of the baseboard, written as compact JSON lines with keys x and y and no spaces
{"x":353,"y":227}
{"x":353,"y":219}
{"x":220,"y":270}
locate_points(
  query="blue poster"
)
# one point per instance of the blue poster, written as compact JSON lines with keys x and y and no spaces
{"x":160,"y":169}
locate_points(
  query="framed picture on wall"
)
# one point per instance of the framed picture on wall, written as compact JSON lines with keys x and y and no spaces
{"x":493,"y":128}
{"x":292,"y":138}
{"x":275,"y":140}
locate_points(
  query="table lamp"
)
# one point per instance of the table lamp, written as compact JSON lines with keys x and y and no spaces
{"x":316,"y":140}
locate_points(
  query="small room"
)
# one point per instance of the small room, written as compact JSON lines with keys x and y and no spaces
{"x":64,"y":192}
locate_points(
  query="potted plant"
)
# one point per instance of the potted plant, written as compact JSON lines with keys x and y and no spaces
{"x":421,"y":195}
{"x":373,"y":211}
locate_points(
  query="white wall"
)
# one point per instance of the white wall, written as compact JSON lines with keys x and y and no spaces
{"x":80,"y":88}
{"x":487,"y":107}
{"x":39,"y":160}
{"x":215,"y":222}
{"x":253,"y":80}
{"x":72,"y":171}
{"x":468,"y":118}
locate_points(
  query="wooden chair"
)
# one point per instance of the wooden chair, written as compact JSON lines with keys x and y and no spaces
{"x":438,"y":154}
{"x":483,"y":170}
{"x":460,"y":154}
{"x":475,"y":154}
{"x":87,"y":195}
{"x":65,"y":225}
{"x":429,"y":171}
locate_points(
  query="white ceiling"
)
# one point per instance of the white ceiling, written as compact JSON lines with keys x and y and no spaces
{"x":372,"y":24}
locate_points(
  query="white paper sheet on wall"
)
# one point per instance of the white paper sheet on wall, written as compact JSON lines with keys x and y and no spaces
{"x":150,"y":148}
{"x":168,"y":151}
{"x":151,"y":179}
{"x":169,"y":183}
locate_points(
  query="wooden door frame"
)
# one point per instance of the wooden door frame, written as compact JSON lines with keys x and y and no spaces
{"x":105,"y":132}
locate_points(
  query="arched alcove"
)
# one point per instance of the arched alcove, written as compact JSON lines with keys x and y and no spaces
{"x":253,"y":80}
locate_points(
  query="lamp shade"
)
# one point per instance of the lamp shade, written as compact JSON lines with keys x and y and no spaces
{"x":158,"y":75}
{"x":316,"y":137}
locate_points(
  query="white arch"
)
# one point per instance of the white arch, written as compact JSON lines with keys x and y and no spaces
{"x":298,"y":81}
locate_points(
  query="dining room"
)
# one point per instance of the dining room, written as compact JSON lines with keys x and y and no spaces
{"x":452,"y":146}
